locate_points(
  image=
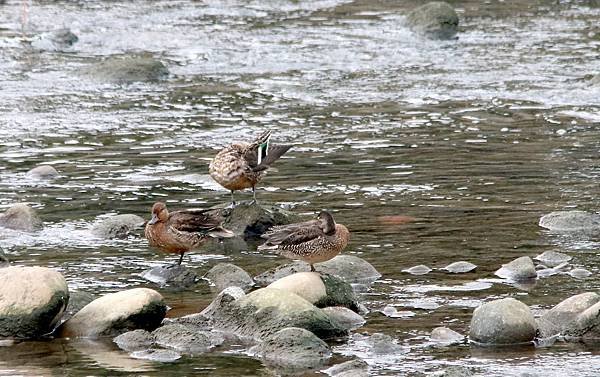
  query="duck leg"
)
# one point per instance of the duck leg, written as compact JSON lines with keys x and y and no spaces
{"x":312,"y":268}
{"x":254,"y":195}
{"x":232,"y":200}
{"x":180,"y":259}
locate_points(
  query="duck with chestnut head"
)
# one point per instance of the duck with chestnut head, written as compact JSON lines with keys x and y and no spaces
{"x":312,"y":241}
{"x":181,"y":231}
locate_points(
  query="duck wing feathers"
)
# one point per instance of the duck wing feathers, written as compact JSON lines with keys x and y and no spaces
{"x":293,"y":234}
{"x":195,"y":220}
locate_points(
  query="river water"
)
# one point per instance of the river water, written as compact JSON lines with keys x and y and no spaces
{"x":474,"y":139}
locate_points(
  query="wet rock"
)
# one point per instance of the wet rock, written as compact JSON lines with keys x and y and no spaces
{"x":20,"y":217}
{"x":115,"y":313}
{"x":128,"y":69}
{"x":160,"y":355}
{"x":32,"y":300}
{"x":136,"y":340}
{"x":505,"y":321}
{"x":446,"y":336}
{"x":455,"y":371}
{"x":392,"y":312}
{"x":225,"y":275}
{"x":435,"y":20}
{"x":352,"y":368}
{"x":118,"y":226}
{"x":571,"y":221}
{"x":586,"y":325}
{"x":418,"y":270}
{"x":595,"y":80}
{"x":519,"y":269}
{"x":347,"y":319}
{"x":561,"y":317}
{"x":77,"y":300}
{"x":552,"y":258}
{"x":293,"y":347}
{"x":43,"y":172}
{"x":56,"y":40}
{"x":460,"y":267}
{"x":265,"y":311}
{"x":174,"y":276}
{"x":579,"y":273}
{"x":250,"y":220}
{"x":186,"y":339}
{"x":383,"y":344}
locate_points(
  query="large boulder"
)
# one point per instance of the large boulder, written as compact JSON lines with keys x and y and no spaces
{"x":128,"y":69}
{"x":518,"y":270}
{"x":571,"y":221}
{"x":118,"y":226}
{"x":174,"y":276}
{"x":435,"y":20}
{"x":43,"y":172}
{"x":250,"y":220}
{"x":32,"y":300}
{"x":561,"y":318}
{"x":115,"y":313}
{"x":20,"y":217}
{"x":586,"y":326}
{"x":505,"y":321}
{"x":224,"y":275}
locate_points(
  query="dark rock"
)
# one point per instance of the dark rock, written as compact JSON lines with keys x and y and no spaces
{"x":460,"y":267}
{"x":118,"y":226}
{"x":128,"y":69}
{"x":43,"y":172}
{"x":174,"y":276}
{"x":136,"y":340}
{"x":435,"y":20}
{"x":56,"y":40}
{"x":20,"y":217}
{"x":561,"y":317}
{"x":4,"y":261}
{"x":571,"y":221}
{"x":445,"y":336}
{"x":160,"y":355}
{"x":352,"y":368}
{"x":32,"y":300}
{"x":251,"y":220}
{"x":505,"y":321}
{"x":225,"y":275}
{"x":517,"y":270}
{"x":347,"y":319}
{"x":186,"y":339}
{"x":552,"y":258}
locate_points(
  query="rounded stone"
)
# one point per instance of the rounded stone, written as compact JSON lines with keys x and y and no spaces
{"x":43,"y":172}
{"x":32,"y":301}
{"x":418,"y":270}
{"x":115,"y":313}
{"x":519,"y":269}
{"x":351,"y":368}
{"x":348,"y":319}
{"x":118,"y":226}
{"x":505,"y":321}
{"x":446,"y":336}
{"x":224,"y":275}
{"x":20,"y":217}
{"x":460,"y":267}
{"x":434,"y":20}
{"x":586,"y":325}
{"x":571,"y":221}
{"x":552,"y":258}
{"x":561,"y":317}
{"x":579,"y":273}
{"x":186,"y":339}
{"x":174,"y":276}
{"x":307,"y":285}
{"x":136,"y":340}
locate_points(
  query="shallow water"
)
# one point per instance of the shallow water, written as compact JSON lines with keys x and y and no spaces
{"x":475,"y":139}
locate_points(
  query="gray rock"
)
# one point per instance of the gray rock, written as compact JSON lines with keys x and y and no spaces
{"x":174,"y":276}
{"x":43,"y":172}
{"x":128,"y":69}
{"x":505,"y":321}
{"x":56,"y":40}
{"x":382,"y":344}
{"x":77,"y":300}
{"x":586,"y":325}
{"x":460,"y":267}
{"x":136,"y":340}
{"x":224,"y":275}
{"x":115,"y":313}
{"x":352,"y":368}
{"x":517,"y":270}
{"x":186,"y":339}
{"x":392,"y":312}
{"x":32,"y":300}
{"x":579,"y":273}
{"x":20,"y":217}
{"x":561,"y":317}
{"x":293,"y":347}
{"x":445,"y":336}
{"x":552,"y":258}
{"x":418,"y":270}
{"x":347,"y":319}
{"x":251,"y":220}
{"x":595,"y":80}
{"x":454,"y":371}
{"x":435,"y":20}
{"x":571,"y":221}
{"x":118,"y":226}
{"x":160,"y":355}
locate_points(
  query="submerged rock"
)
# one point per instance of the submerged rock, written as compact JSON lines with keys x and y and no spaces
{"x":32,"y":300}
{"x":115,"y":313}
{"x":55,"y":40}
{"x":20,"y":217}
{"x":251,"y":220}
{"x":173,"y":275}
{"x":418,"y":270}
{"x":392,"y":312}
{"x":505,"y":321}
{"x":517,"y":270}
{"x":560,"y":318}
{"x":186,"y":339}
{"x":435,"y":20}
{"x":224,"y":275}
{"x":118,"y":226}
{"x":43,"y":172}
{"x":552,"y":258}
{"x":460,"y":267}
{"x":136,"y":340}
{"x":347,"y":319}
{"x":159,"y":355}
{"x":579,"y":273}
{"x":352,"y":368}
{"x":128,"y":69}
{"x":571,"y":221}
{"x":446,"y":336}
{"x":382,"y":344}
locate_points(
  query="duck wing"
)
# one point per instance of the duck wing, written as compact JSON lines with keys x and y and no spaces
{"x":292,"y":234}
{"x":195,"y":220}
{"x":273,"y":154}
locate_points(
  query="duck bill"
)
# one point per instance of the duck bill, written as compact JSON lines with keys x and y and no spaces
{"x":153,"y":220}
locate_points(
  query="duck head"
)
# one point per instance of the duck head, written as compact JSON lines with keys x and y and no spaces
{"x":327,"y":222}
{"x":159,"y":213}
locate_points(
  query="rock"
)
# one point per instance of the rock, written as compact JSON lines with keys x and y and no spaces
{"x":56,"y":40}
{"x":382,"y":344}
{"x":587,"y":324}
{"x":115,"y":313}
{"x":579,"y":273}
{"x":20,"y":217}
{"x":136,"y":340}
{"x":505,"y":321}
{"x":293,"y":347}
{"x":224,"y":275}
{"x":455,"y":371}
{"x":186,"y":339}
{"x":460,"y":267}
{"x":552,"y":258}
{"x":561,"y":317}
{"x":118,"y":226}
{"x":348,"y":319}
{"x":571,"y":221}
{"x":173,"y":275}
{"x":392,"y":312}
{"x":160,"y":355}
{"x":4,"y":261}
{"x":32,"y":300}
{"x":446,"y":336}
{"x":418,"y":270}
{"x":519,"y":269}
{"x":43,"y":172}
{"x":251,"y":220}
{"x":595,"y":80}
{"x":265,"y":311}
{"x":352,"y":368}
{"x":128,"y":69}
{"x":77,"y":300}
{"x":435,"y":20}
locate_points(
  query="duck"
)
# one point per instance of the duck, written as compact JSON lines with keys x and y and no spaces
{"x":242,"y":165}
{"x":181,"y":231}
{"x":312,"y":241}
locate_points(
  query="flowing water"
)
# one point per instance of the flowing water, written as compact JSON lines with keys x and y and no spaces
{"x":472,"y":140}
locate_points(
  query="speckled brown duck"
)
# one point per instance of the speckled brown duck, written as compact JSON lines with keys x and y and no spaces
{"x":242,"y":165}
{"x":311,"y":241}
{"x":181,"y":231}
